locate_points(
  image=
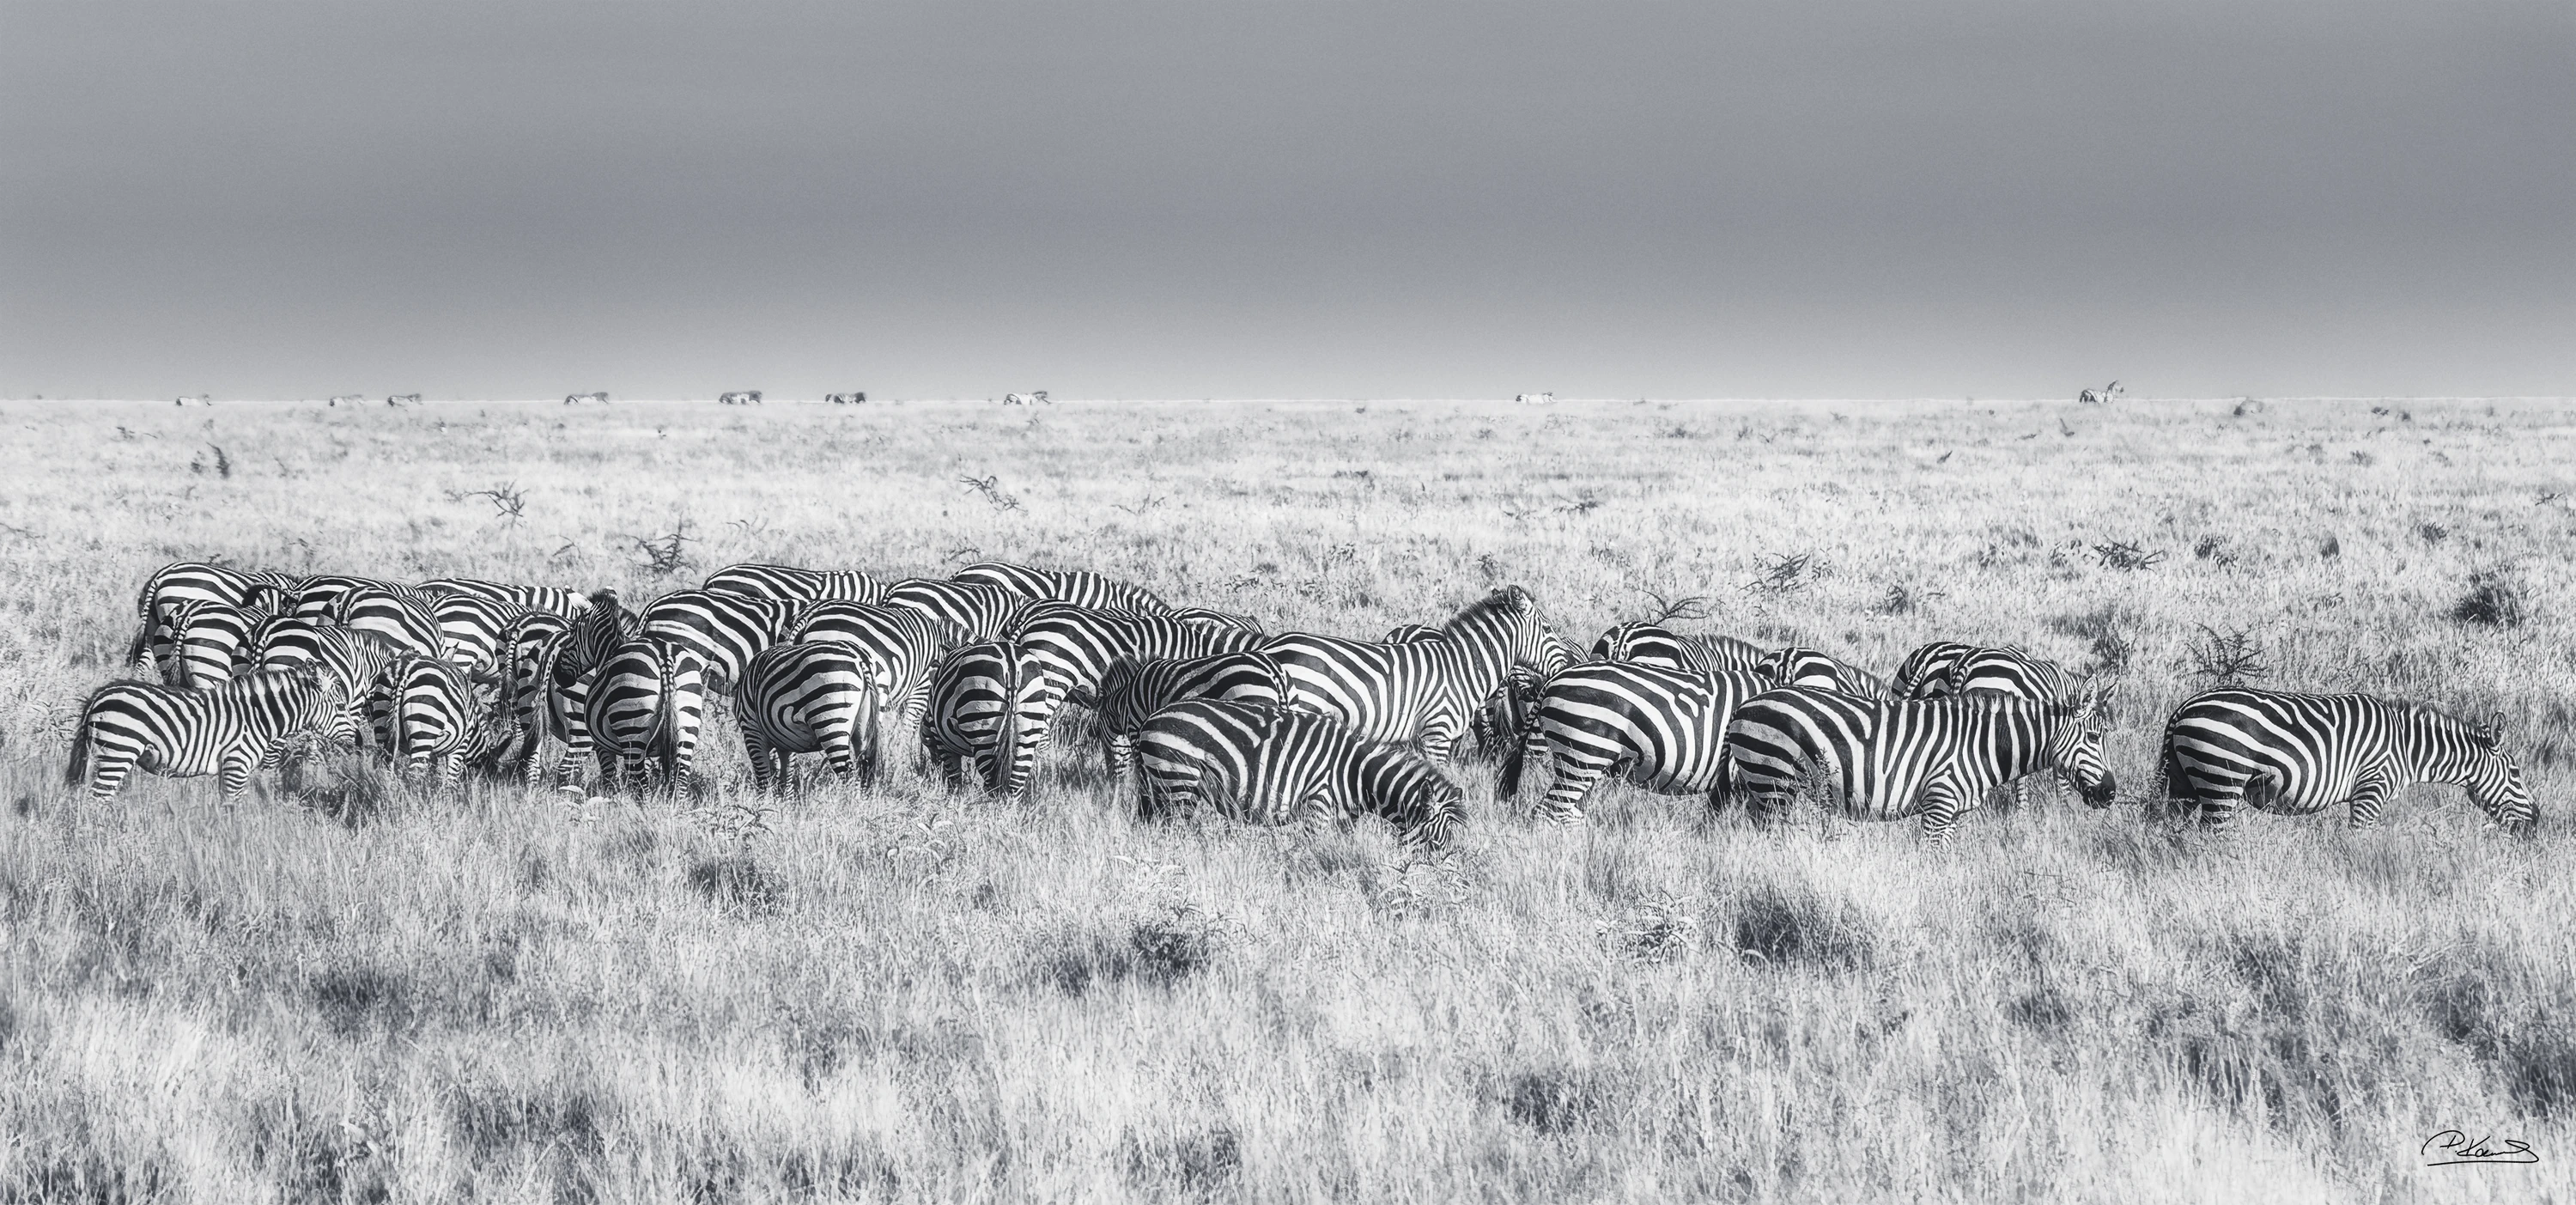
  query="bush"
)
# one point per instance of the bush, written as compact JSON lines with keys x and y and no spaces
{"x":2495,"y":599}
{"x":1784,"y":927}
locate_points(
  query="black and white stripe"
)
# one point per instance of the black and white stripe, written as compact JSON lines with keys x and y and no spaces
{"x":1269,"y":764}
{"x":399,"y":614}
{"x":739,"y":397}
{"x":211,"y":641}
{"x":979,"y":611}
{"x":179,"y":582}
{"x":314,"y":597}
{"x":1647,"y":643}
{"x":1133,"y":689}
{"x":2010,"y":672}
{"x":902,"y":647}
{"x":808,"y":697}
{"x":232,"y":730}
{"x":1881,"y":760}
{"x":1927,"y":668}
{"x":555,"y":599}
{"x":1423,"y":691}
{"x":978,"y":700}
{"x":1796,"y":666}
{"x":709,"y":637}
{"x":1661,"y":729}
{"x":2298,"y":754}
{"x":443,"y":718}
{"x":787,"y":581}
{"x":1076,"y":645}
{"x":355,"y":662}
{"x":631,"y":714}
{"x":1081,"y":587}
{"x":471,"y":629}
{"x":1222,"y":619}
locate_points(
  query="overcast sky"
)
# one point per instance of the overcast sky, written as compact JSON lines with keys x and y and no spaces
{"x":1210,"y":199}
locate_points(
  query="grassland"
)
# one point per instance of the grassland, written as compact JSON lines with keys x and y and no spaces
{"x":903,"y":994}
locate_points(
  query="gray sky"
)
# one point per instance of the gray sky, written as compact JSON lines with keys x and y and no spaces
{"x":1891,"y":198}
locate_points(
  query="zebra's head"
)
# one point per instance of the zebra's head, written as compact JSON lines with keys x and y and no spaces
{"x":1426,"y":808}
{"x":1508,"y":617}
{"x":1801,"y":667}
{"x":2075,"y":745}
{"x":2493,"y":778}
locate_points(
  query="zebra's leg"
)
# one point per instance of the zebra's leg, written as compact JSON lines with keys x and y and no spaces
{"x":107,"y":774}
{"x":235,"y":772}
{"x":1439,"y":740}
{"x":451,"y":770}
{"x":1940,"y":806}
{"x":755,"y":749}
{"x":2370,"y":798}
{"x":1575,"y":780}
{"x":1121,"y":750}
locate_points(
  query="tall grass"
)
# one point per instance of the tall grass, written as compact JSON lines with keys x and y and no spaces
{"x":898,"y":993}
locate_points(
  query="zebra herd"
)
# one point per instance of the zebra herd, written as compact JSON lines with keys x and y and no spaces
{"x":1194,"y":706}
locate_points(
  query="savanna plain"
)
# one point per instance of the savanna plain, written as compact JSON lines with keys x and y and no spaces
{"x":364,"y":991}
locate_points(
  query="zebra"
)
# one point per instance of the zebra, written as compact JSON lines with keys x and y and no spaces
{"x":978,"y":611}
{"x":1409,"y":633}
{"x":1269,"y":764}
{"x":1885,"y":760}
{"x":525,"y":656}
{"x":2004,"y":671}
{"x":354,"y":661}
{"x":1425,"y":691}
{"x":402,"y":615}
{"x":1650,"y":643}
{"x":1927,"y":669}
{"x":1222,"y":619}
{"x":709,"y":636}
{"x":743,"y":397}
{"x":231,"y":731}
{"x":808,"y":697}
{"x":846,"y":399}
{"x":978,"y":699}
{"x":568,"y":665}
{"x":441,"y":716}
{"x":1795,"y":666}
{"x":314,"y":597}
{"x":2298,"y":754}
{"x":1500,"y":719}
{"x":1661,"y":729}
{"x":575,"y":399}
{"x":350,"y":398}
{"x":567,"y":603}
{"x":210,"y":642}
{"x":1534,"y":399}
{"x":471,"y":628}
{"x":403,"y":399}
{"x":1080,"y":587}
{"x":1027,"y":399}
{"x":784,"y":581}
{"x":2100,"y":396}
{"x":175,"y":583}
{"x":194,"y":399}
{"x":902,"y":647}
{"x":1075,"y":646}
{"x":1133,"y":689}
{"x":633,"y":714}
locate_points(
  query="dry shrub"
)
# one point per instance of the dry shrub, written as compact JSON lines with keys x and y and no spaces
{"x":736,"y":881}
{"x":1783,"y":926}
{"x":2495,"y":599}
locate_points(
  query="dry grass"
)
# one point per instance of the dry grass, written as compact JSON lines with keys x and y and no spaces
{"x":901,"y":994}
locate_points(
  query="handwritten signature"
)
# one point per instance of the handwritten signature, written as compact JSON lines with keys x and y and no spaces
{"x":2455,"y":1148}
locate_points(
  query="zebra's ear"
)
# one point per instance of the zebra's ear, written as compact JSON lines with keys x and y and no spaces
{"x":2489,"y":730}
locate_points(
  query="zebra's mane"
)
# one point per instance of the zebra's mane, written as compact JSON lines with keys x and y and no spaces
{"x":1510,"y":600}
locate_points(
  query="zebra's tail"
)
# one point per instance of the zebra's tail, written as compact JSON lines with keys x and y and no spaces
{"x":1516,"y":740}
{"x":77,"y":774}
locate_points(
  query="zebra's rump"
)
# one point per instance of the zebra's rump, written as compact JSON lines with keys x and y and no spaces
{"x":1669,"y":726}
{"x":2307,"y":752}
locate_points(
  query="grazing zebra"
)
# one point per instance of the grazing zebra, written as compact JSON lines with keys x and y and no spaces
{"x":1500,"y":719}
{"x":353,"y":661}
{"x":575,"y":399}
{"x":1077,"y":645}
{"x":1661,"y":729}
{"x":569,"y":665}
{"x":1132,"y":690}
{"x":404,"y":616}
{"x":1925,"y":672}
{"x":2297,"y":754}
{"x":403,"y":399}
{"x":2002,"y":671}
{"x":440,"y":716}
{"x":2098,"y":396}
{"x":194,"y":400}
{"x":633,"y":714}
{"x":977,"y":610}
{"x":525,"y":656}
{"x":743,"y":397}
{"x":1222,"y":619}
{"x":210,"y":641}
{"x":1268,"y":764}
{"x":598,"y":632}
{"x":567,"y":603}
{"x":471,"y":628}
{"x":1026,"y":399}
{"x":808,"y":697}
{"x":1409,"y":633}
{"x":1795,"y":666}
{"x":1883,"y":760}
{"x":1536,"y":399}
{"x":978,"y":700}
{"x":1648,"y":643}
{"x":232,"y":730}
{"x":902,"y":647}
{"x":173,"y":584}
{"x":784,"y":581}
{"x":709,"y":636}
{"x":351,"y":398}
{"x":314,"y":597}
{"x":1425,"y":691}
{"x":846,"y":399}
{"x":1081,"y":587}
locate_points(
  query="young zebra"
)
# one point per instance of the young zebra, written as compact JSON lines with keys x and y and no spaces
{"x":232,"y":730}
{"x":633,"y":714}
{"x":1268,"y":764}
{"x":401,"y":615}
{"x":979,"y":612}
{"x":355,"y":662}
{"x":443,"y":717}
{"x":1080,"y":587}
{"x":211,"y":641}
{"x":1927,"y":664}
{"x":1423,"y":691}
{"x":1132,"y":690}
{"x":1076,"y":645}
{"x":1661,"y":729}
{"x":1880,"y":760}
{"x":1648,"y":643}
{"x":556,"y":600}
{"x":786,"y":581}
{"x":979,"y":701}
{"x":902,"y":647}
{"x":808,"y":697}
{"x":179,"y":582}
{"x":2297,"y":754}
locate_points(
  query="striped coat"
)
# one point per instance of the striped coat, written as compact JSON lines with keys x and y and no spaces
{"x":399,"y":614}
{"x":441,"y":719}
{"x":709,"y":636}
{"x":1421,"y":691}
{"x":354,"y":662}
{"x":182,"y":581}
{"x":1647,"y":643}
{"x":1080,"y":587}
{"x":808,"y":697}
{"x":978,"y":611}
{"x":787,"y":581}
{"x":231,"y":731}
{"x":1132,"y":690}
{"x":1075,"y":646}
{"x":2298,"y":754}
{"x":1878,"y":760}
{"x":977,"y":700}
{"x":211,"y":641}
{"x":901,"y":647}
{"x":551,"y":599}
{"x":1268,"y":764}
{"x":1661,"y":729}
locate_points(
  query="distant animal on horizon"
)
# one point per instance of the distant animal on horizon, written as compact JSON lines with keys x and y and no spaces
{"x":846,"y":399}
{"x":194,"y":400}
{"x":1026,"y":399}
{"x":351,"y":398}
{"x":1536,"y":399}
{"x":575,"y":399}
{"x":403,"y":399}
{"x":2095,"y":397}
{"x":743,"y":397}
